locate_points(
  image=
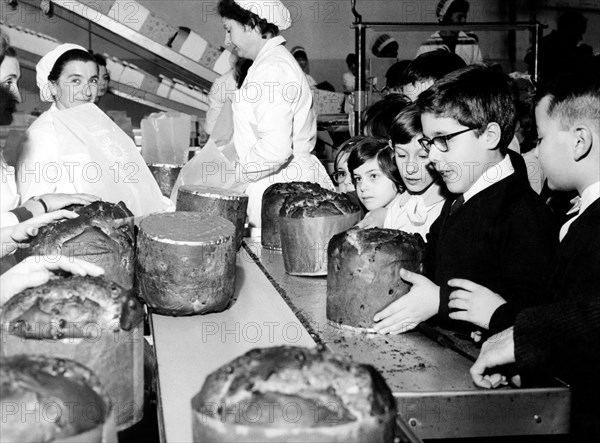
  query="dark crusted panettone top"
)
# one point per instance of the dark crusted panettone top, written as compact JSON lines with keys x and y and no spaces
{"x":327,"y":390}
{"x":94,"y":231}
{"x":52,"y":398}
{"x":323,"y":204}
{"x":71,"y":307}
{"x":284,"y":189}
{"x":386,"y":240}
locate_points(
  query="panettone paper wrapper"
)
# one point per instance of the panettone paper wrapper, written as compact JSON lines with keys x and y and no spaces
{"x":371,"y":429}
{"x":166,"y":176}
{"x":116,"y":357}
{"x":304,"y":241}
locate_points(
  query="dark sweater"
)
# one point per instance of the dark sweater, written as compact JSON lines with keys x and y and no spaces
{"x":503,"y":238}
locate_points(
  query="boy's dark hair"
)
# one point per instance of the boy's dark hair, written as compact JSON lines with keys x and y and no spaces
{"x":393,"y":76}
{"x":474,"y":96}
{"x":370,"y":148}
{"x":346,"y":148}
{"x":73,"y":55}
{"x":378,"y":117}
{"x":231,"y":10}
{"x":431,"y":65}
{"x":406,"y":125}
{"x":351,"y":59}
{"x":573,"y":98}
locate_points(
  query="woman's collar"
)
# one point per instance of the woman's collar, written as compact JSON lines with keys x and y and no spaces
{"x":271,"y":43}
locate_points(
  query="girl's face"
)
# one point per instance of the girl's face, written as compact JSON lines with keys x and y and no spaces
{"x":343,"y":177}
{"x":77,"y":84}
{"x":10,"y":73}
{"x":415,"y":169}
{"x":375,"y":190}
{"x":246,"y":41}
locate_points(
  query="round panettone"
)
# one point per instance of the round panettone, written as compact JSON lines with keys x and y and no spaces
{"x":272,"y":201}
{"x":307,"y":222}
{"x":292,"y":394}
{"x":47,"y":399}
{"x":103,"y":234}
{"x":185,"y":263}
{"x":231,"y":205}
{"x":364,"y":272}
{"x":87,"y":319}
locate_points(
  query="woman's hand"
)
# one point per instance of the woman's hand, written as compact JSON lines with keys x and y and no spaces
{"x":420,"y":304}
{"x":476,"y":303}
{"x":13,"y":236}
{"x":373,"y":219}
{"x":37,"y":270}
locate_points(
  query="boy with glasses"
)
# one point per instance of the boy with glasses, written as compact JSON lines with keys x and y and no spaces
{"x":496,"y":231}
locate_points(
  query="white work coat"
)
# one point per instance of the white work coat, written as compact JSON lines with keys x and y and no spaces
{"x":81,"y":150}
{"x":275,"y":126}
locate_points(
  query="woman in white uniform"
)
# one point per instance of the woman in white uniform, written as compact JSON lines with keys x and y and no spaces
{"x":74,"y":147}
{"x":274,"y":121}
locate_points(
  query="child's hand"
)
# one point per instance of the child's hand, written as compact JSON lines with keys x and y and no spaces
{"x":37,"y":270}
{"x":421,"y":303}
{"x":498,"y":350}
{"x":477,"y":304}
{"x":373,"y":219}
{"x":14,"y":235}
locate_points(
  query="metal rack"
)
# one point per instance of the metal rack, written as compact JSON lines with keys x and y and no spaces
{"x":360,"y":28}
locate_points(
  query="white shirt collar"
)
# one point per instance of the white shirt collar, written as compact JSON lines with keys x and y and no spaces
{"x":271,"y":43}
{"x":491,"y":176}
{"x":589,"y":196}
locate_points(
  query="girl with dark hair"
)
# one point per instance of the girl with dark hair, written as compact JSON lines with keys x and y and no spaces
{"x":416,"y":209}
{"x":375,"y":176}
{"x":74,"y":147}
{"x":274,"y":120}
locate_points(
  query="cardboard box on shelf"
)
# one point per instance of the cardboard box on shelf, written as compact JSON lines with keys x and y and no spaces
{"x":129,"y":13}
{"x":158,"y":29}
{"x":222,"y":64}
{"x":210,"y":56}
{"x":165,"y":86}
{"x":115,"y":68}
{"x":327,"y":102}
{"x":193,"y":47}
{"x":132,"y":76}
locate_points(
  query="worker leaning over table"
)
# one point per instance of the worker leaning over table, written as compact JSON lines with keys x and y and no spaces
{"x":274,"y":120}
{"x":74,"y":147}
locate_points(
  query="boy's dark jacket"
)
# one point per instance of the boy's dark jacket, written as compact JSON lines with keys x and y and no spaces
{"x":503,"y":238}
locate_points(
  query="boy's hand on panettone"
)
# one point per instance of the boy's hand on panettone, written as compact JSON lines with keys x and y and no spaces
{"x":420,"y":304}
{"x":475,"y":303}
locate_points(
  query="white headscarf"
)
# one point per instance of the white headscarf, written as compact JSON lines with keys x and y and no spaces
{"x":45,"y":65}
{"x":272,"y":11}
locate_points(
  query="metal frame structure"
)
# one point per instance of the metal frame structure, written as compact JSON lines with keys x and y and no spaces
{"x":360,"y":29}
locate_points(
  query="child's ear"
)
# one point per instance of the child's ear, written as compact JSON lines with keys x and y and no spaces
{"x":583,"y":141}
{"x":492,"y":135}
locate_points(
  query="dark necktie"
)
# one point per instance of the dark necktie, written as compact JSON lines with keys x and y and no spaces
{"x":457,"y":204}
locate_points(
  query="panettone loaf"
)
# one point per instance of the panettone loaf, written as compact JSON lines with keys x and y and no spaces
{"x":48,"y":399}
{"x":186,"y":263}
{"x":364,"y":272}
{"x":103,"y":234}
{"x":290,"y":393}
{"x":87,"y":319}
{"x":65,"y":306}
{"x":272,"y":200}
{"x":306,"y":223}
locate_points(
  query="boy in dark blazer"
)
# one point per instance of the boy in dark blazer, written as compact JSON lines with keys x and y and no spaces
{"x":497,"y":231}
{"x":563,"y":338}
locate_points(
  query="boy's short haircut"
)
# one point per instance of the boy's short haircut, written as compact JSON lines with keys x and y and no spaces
{"x":431,"y":66}
{"x":378,"y":117}
{"x":395,"y":74}
{"x":573,"y":98}
{"x":474,"y":96}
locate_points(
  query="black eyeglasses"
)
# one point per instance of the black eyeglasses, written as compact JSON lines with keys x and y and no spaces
{"x":339,"y":177}
{"x":441,"y":141}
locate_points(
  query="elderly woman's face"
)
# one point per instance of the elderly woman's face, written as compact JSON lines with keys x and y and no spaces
{"x":77,"y":84}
